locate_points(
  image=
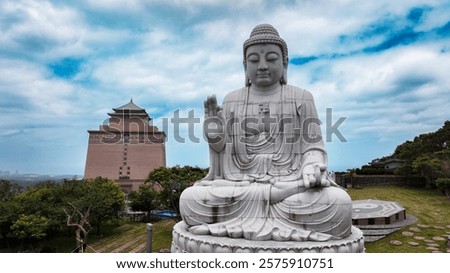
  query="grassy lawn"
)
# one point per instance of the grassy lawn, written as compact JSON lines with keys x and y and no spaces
{"x":110,"y":232}
{"x":162,"y":234}
{"x":131,"y":237}
{"x":122,"y":237}
{"x":430,"y":207}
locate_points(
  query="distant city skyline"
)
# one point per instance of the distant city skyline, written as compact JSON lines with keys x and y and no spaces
{"x":7,"y":173}
{"x":380,"y":66}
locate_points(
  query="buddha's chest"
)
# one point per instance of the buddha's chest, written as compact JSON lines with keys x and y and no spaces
{"x":266,"y":117}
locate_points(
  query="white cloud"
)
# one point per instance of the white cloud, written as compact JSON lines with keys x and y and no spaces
{"x":8,"y":133}
{"x":434,"y":18}
{"x":173,"y":73}
{"x":30,"y":82}
{"x":116,"y":5}
{"x":387,"y":97}
{"x":40,"y":29}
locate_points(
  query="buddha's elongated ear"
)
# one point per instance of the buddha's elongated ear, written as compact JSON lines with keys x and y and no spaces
{"x":283,"y":79}
{"x":247,"y":79}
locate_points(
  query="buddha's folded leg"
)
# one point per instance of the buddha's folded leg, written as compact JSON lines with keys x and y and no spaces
{"x":325,"y":210}
{"x":232,"y":207}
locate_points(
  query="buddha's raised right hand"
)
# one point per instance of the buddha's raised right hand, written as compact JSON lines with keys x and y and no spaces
{"x":214,"y":124}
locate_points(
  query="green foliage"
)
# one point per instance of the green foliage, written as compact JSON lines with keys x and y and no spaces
{"x":405,"y":170}
{"x":30,"y":226}
{"x":41,"y":200}
{"x":145,"y":199}
{"x":8,"y":190}
{"x":172,"y":181}
{"x":8,"y":216}
{"x":426,"y":162}
{"x":425,"y":144}
{"x":427,"y":155}
{"x":105,"y":198}
{"x":443,"y":184}
{"x":43,"y":205}
{"x":8,"y":208}
{"x":367,"y":170}
{"x":428,"y":166}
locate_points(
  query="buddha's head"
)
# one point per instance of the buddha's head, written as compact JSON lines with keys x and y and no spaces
{"x":265,"y":57}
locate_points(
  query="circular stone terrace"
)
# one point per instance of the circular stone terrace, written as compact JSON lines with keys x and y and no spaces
{"x":377,"y":218}
{"x":376,"y":212}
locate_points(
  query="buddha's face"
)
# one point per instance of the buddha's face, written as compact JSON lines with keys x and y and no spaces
{"x":264,"y":65}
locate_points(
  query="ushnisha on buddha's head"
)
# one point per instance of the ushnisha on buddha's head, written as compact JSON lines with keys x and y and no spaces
{"x":265,"y":58}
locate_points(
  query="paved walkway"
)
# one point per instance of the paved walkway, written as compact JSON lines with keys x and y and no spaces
{"x":138,"y":244}
{"x":130,"y":243}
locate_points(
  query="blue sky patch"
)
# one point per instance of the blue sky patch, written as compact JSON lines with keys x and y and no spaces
{"x":415,"y":15}
{"x":302,"y":60}
{"x":66,"y":68}
{"x":444,"y":31}
{"x":404,"y":37}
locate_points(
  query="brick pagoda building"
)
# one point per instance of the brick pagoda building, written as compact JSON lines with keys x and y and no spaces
{"x":126,"y":149}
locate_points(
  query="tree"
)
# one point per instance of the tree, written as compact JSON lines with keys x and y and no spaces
{"x":31,"y":226}
{"x":443,"y":185}
{"x":172,"y":181}
{"x":49,"y":199}
{"x":43,"y":200}
{"x":105,"y":198}
{"x":429,"y":167}
{"x":428,"y":155}
{"x":145,"y":199}
{"x":425,"y":144}
{"x":79,"y":220}
{"x":8,"y":207}
{"x":8,"y":190}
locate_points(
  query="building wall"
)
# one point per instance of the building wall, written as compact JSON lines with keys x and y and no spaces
{"x":111,"y":161}
{"x":142,"y":158}
{"x":103,"y":160}
{"x":392,"y":165}
{"x":380,"y":180}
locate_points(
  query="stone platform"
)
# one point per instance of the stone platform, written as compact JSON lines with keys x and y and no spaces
{"x":377,"y":212}
{"x":184,"y":241}
{"x":377,"y":218}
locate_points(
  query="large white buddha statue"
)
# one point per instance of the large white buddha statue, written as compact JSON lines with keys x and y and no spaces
{"x":268,"y":177}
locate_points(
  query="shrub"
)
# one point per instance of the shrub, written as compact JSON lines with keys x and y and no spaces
{"x":443,"y":185}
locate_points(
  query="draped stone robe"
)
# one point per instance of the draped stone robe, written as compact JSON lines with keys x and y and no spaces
{"x":269,"y":137}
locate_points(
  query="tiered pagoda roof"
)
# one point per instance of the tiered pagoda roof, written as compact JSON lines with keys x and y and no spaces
{"x":129,"y":109}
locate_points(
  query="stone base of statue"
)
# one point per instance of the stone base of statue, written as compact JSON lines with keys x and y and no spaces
{"x":184,"y":241}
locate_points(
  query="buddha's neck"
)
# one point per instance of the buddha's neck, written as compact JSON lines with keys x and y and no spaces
{"x":265,"y":91}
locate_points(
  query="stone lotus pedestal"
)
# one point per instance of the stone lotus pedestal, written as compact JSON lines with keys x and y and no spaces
{"x":184,"y":241}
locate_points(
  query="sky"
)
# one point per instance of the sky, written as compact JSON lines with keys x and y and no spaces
{"x":382,"y":68}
